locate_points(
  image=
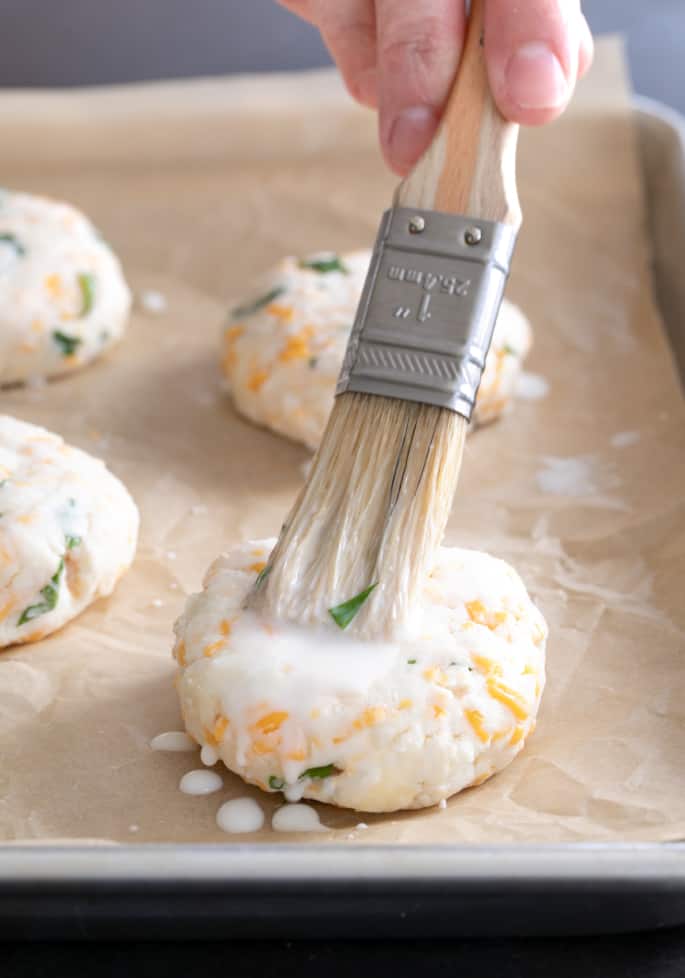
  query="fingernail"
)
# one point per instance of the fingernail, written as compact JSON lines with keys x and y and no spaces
{"x":410,"y":133}
{"x":535,"y":78}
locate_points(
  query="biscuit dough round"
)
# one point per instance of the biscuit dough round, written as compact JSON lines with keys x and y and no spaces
{"x":68,"y":531}
{"x":283,"y":348}
{"x":63,"y":298}
{"x":369,"y":726}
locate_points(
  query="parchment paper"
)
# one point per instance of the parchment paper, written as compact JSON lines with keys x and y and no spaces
{"x":199,"y":185}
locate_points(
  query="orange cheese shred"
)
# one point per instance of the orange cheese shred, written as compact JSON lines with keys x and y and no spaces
{"x":180,"y":653}
{"x":257,"y":379}
{"x":518,"y":734}
{"x":53,"y":285}
{"x":297,"y":346}
{"x":509,"y":697}
{"x":480,"y":615}
{"x":209,"y":650}
{"x":220,"y":726}
{"x":370,"y":717}
{"x":475,"y":718}
{"x":280,"y":311}
{"x":486,"y":666}
{"x":296,"y":755}
{"x":271,"y":722}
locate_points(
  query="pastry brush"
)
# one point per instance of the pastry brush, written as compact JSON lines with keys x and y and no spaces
{"x":361,"y":538}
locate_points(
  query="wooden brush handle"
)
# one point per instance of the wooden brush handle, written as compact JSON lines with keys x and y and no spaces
{"x":470,"y":167}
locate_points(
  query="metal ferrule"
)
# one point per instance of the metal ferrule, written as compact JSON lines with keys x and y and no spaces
{"x":428,"y":309}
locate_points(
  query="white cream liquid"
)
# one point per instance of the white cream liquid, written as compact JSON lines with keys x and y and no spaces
{"x":173,"y":740}
{"x":297,"y":818}
{"x":240,"y":816}
{"x":530,"y":387}
{"x":209,"y":755}
{"x":200,"y":782}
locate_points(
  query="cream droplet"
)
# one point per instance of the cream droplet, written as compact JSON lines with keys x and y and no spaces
{"x":293,"y":792}
{"x":173,"y":740}
{"x":297,"y":818}
{"x":209,"y":755}
{"x":530,"y":387}
{"x":200,"y":782}
{"x":152,"y":301}
{"x":239,"y":816}
{"x":622,"y":439}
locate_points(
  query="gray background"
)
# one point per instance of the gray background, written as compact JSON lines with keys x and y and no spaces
{"x":73,"y":42}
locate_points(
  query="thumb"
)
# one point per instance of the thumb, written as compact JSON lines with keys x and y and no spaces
{"x":532,"y":49}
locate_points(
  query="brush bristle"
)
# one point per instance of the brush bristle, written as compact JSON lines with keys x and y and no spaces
{"x":372,"y":512}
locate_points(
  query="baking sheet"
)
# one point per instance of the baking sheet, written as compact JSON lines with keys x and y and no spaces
{"x":199,"y":185}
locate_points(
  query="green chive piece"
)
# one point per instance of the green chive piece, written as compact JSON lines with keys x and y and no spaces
{"x":411,"y":662}
{"x":264,"y":300}
{"x":72,"y":542}
{"x":12,"y":239}
{"x":317,"y":773}
{"x":313,"y":362}
{"x":278,"y":784}
{"x":86,"y":283}
{"x":49,"y":594}
{"x":262,"y":576}
{"x":343,"y":613}
{"x":330,"y":263}
{"x":510,"y":350}
{"x":67,"y":344}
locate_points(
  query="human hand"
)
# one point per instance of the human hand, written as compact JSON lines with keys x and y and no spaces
{"x":400,"y":56}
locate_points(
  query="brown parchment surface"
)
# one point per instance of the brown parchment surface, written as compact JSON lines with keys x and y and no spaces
{"x":198,"y":185}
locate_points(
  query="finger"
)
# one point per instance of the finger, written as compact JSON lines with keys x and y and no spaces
{"x":532,"y":55}
{"x":586,"y":51}
{"x":300,"y":7}
{"x":419,"y":45}
{"x":349,"y":29}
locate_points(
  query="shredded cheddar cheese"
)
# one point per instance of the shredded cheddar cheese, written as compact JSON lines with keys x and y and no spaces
{"x":486,"y":666}
{"x":180,"y":653}
{"x":475,"y":718}
{"x":272,"y":721}
{"x":257,"y":379}
{"x":370,"y":717}
{"x":297,"y":346}
{"x":220,"y":727}
{"x":281,"y":312}
{"x":53,"y":285}
{"x":514,"y":701}
{"x":212,"y":648}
